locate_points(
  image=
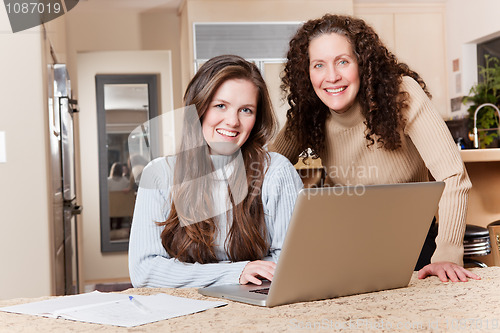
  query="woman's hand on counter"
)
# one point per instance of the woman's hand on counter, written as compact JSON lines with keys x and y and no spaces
{"x":447,"y":271}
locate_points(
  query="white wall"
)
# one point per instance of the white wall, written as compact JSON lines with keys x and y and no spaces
{"x":160,"y":30}
{"x":98,"y":266}
{"x":24,"y":198}
{"x":468,"y":22}
{"x":100,"y":30}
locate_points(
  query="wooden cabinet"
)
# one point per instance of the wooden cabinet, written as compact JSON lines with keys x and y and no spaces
{"x":415,"y":34}
{"x":483,"y":167}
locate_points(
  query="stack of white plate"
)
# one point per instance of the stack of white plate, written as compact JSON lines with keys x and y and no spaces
{"x":476,"y":241}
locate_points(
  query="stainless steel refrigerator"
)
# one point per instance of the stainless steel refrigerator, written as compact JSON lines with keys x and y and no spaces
{"x":62,"y":109}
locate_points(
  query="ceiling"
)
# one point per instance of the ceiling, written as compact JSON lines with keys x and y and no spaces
{"x":142,"y":5}
{"x":135,"y":5}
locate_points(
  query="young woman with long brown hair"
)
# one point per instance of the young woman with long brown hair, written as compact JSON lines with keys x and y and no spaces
{"x":217,"y":211}
{"x":370,"y":119}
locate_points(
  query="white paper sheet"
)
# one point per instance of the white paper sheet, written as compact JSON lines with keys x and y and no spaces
{"x":114,"y":309}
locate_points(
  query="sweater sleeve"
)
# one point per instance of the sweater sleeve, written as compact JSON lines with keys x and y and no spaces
{"x":149,"y":263}
{"x":288,"y":148}
{"x":431,"y":137}
{"x":279,"y":192}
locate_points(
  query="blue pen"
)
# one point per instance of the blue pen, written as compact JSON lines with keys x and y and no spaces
{"x":139,"y":305}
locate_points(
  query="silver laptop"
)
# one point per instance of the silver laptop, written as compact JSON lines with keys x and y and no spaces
{"x":346,"y":240}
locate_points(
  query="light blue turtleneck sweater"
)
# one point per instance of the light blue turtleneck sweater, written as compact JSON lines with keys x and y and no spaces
{"x":149,"y":263}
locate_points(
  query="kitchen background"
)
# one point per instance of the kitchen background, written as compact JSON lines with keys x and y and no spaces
{"x":98,"y":36}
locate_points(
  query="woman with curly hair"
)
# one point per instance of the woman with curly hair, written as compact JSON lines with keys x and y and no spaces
{"x":370,"y":119}
{"x":216,"y":212}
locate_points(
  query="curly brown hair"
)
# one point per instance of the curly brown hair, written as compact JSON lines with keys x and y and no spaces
{"x":379,"y":94}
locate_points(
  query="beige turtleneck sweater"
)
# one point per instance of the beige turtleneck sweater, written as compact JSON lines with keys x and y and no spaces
{"x":427,"y":145}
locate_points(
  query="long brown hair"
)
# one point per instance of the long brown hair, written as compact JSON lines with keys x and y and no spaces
{"x":379,"y":94}
{"x":192,"y":241}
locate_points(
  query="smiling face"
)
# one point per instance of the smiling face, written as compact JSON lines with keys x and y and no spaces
{"x":333,"y":70}
{"x":230,"y":117}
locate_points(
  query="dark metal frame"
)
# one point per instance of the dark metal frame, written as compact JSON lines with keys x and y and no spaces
{"x":153,"y":101}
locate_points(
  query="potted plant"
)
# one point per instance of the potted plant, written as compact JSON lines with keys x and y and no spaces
{"x":486,"y":91}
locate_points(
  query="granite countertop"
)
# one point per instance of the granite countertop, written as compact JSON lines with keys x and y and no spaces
{"x":425,"y":305}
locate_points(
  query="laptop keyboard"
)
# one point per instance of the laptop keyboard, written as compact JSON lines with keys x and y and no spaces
{"x":263,"y":291}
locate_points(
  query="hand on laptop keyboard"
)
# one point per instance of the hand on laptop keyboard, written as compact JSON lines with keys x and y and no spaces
{"x":255,"y":270}
{"x":264,"y":291}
